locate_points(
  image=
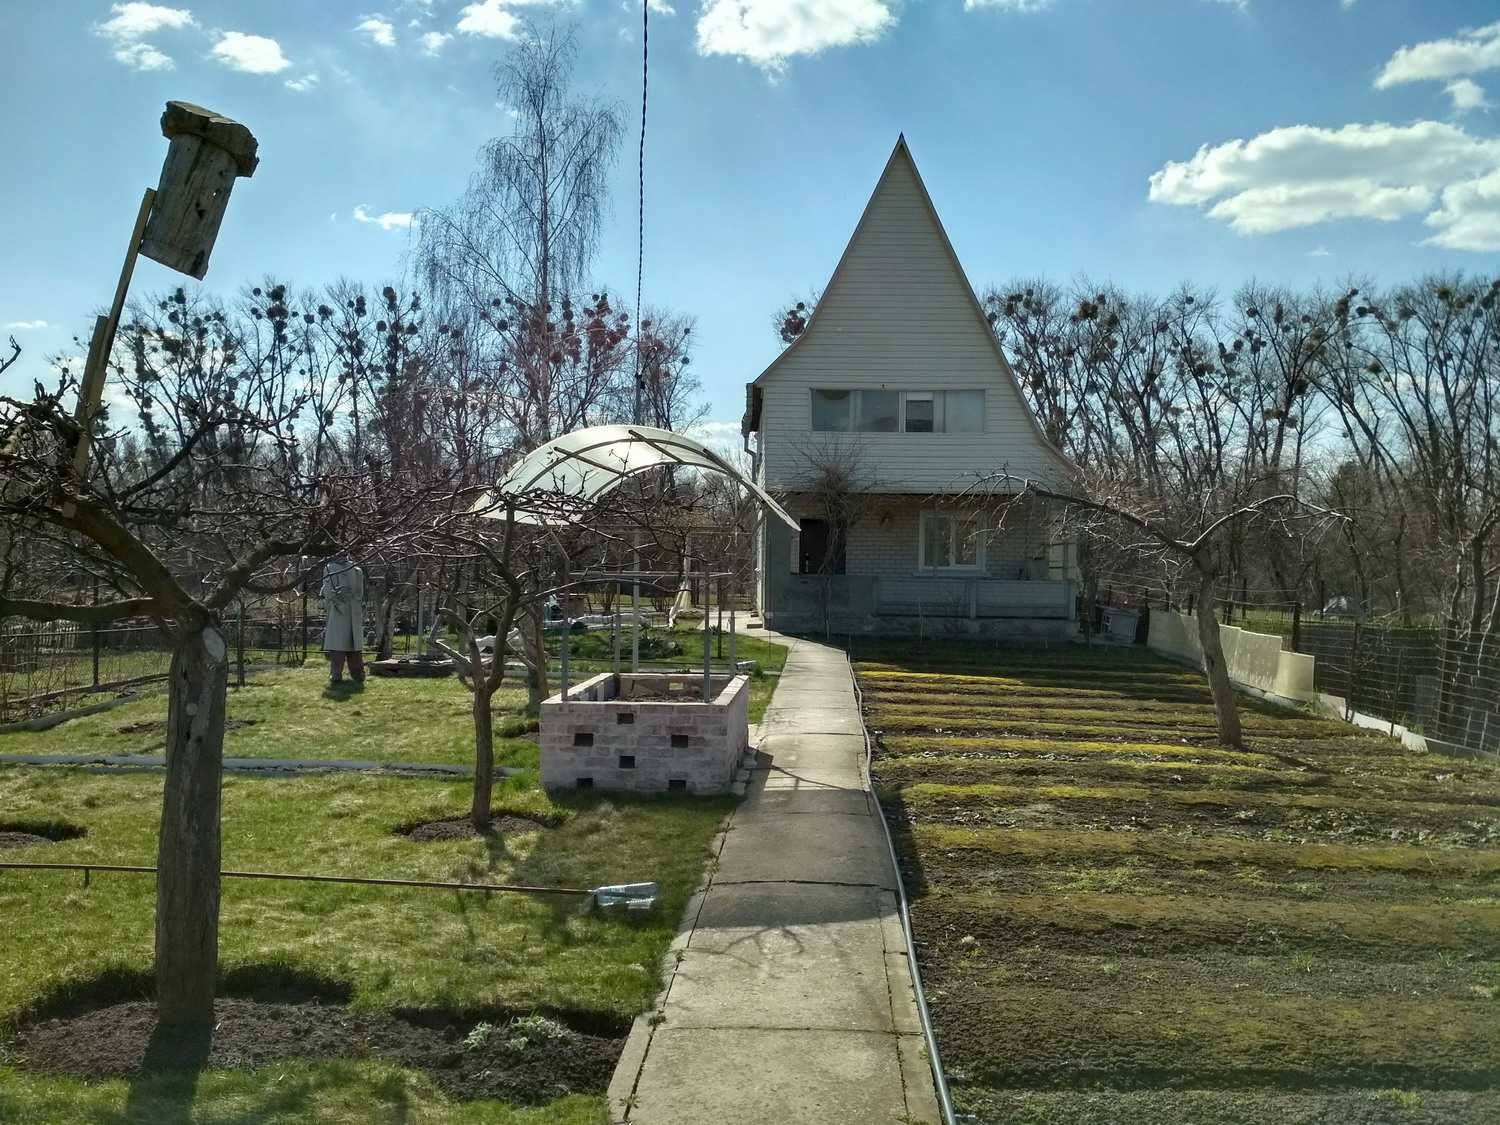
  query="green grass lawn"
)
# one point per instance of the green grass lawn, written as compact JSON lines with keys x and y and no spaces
{"x":385,"y":949}
{"x":288,"y":713}
{"x":1120,"y":921}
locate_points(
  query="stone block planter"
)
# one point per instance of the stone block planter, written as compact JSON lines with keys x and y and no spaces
{"x":646,"y":732}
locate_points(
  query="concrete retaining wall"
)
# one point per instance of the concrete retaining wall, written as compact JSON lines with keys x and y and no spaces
{"x":604,"y":737}
{"x":1255,"y":660}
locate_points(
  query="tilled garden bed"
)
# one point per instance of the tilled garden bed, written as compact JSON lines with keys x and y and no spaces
{"x":1119,"y":920}
{"x":526,"y":1059}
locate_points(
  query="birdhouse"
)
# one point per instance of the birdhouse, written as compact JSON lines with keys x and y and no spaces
{"x":206,"y":154}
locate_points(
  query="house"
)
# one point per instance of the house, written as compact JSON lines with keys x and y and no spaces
{"x":875,"y":425}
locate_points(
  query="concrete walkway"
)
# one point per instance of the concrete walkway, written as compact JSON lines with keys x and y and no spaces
{"x":788,"y":996}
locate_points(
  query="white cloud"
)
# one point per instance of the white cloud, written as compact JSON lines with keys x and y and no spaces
{"x":1469,"y":218}
{"x":26,"y":325}
{"x":143,"y":56}
{"x":1472,"y":51}
{"x":1466,"y":94}
{"x":769,"y":32}
{"x":378,"y":30}
{"x":1323,"y":251}
{"x":386,"y":220}
{"x":131,"y":23}
{"x":661,"y":7}
{"x":433,"y":41}
{"x":1302,"y":175}
{"x":303,"y":84}
{"x":496,"y":19}
{"x":1039,"y":5}
{"x":136,"y":21}
{"x":251,"y":54}
{"x":490,"y":18}
{"x":1008,"y":5}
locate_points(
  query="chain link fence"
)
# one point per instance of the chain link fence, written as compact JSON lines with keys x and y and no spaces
{"x":57,"y":665}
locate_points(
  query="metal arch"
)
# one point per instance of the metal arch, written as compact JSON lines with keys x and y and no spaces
{"x":668,"y":448}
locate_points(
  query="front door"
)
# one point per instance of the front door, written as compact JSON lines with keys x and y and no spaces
{"x":822,"y":548}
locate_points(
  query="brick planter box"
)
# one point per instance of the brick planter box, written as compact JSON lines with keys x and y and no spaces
{"x":618,"y":733}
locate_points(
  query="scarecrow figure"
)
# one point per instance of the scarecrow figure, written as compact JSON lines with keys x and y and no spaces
{"x":344,"y":608}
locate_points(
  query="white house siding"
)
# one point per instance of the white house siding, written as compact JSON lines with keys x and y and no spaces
{"x":885,"y":542}
{"x":898,"y":314}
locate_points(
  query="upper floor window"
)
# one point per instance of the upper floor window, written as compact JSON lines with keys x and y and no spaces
{"x":869,"y":411}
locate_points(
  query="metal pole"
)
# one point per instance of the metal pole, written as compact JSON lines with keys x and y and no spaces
{"x":734,"y":573}
{"x":707,"y":646}
{"x":567,"y":623}
{"x":635,"y":605}
{"x":614,"y":630}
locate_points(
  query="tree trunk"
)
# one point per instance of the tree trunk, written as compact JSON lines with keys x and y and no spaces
{"x":1215,"y":667}
{"x":187,"y":856}
{"x":484,"y":753}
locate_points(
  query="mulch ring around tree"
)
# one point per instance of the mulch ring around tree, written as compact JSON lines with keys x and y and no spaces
{"x":526,"y":1059}
{"x":462,"y":828}
{"x":27,"y":834}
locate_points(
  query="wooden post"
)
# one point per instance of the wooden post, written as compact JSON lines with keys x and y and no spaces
{"x":1297,"y":626}
{"x":102,"y":342}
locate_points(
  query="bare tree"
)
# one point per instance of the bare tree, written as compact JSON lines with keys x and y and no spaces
{"x":206,"y":508}
{"x":1414,"y":379}
{"x":517,"y":247}
{"x":15,"y":354}
{"x":1166,"y":473}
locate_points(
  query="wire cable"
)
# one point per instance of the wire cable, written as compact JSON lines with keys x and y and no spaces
{"x":640,"y":231}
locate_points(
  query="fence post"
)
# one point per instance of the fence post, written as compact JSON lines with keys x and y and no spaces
{"x":239,"y":646}
{"x":1297,"y":626}
{"x":1353,"y":683}
{"x":1229,"y":603}
{"x":94,"y":637}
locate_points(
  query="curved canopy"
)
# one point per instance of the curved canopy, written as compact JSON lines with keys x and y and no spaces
{"x":582,"y":466}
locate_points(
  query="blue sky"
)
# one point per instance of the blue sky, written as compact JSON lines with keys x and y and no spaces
{"x":1146,"y":142}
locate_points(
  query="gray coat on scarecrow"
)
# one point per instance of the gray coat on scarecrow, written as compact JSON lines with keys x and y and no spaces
{"x":344,"y":605}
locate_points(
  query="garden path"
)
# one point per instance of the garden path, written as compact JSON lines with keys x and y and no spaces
{"x":789,"y":995}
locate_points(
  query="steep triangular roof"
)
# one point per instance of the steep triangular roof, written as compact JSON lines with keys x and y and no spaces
{"x":887,"y":194}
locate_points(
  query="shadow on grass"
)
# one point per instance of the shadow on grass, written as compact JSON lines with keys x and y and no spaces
{"x":166,"y":1085}
{"x":897,"y":817}
{"x":341,"y":690}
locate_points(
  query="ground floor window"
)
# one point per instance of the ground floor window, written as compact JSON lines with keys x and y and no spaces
{"x":950,"y":541}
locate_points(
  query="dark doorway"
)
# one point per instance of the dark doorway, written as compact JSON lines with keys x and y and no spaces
{"x":822,"y":548}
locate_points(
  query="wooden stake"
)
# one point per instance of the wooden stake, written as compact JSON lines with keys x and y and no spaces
{"x":101,"y":344}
